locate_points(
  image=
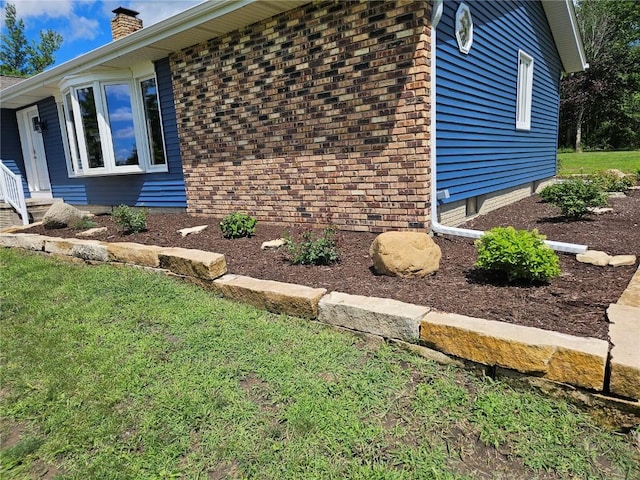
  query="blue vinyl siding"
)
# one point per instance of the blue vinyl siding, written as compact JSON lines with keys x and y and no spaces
{"x":10,"y":148}
{"x":149,"y":190}
{"x":478,"y":148}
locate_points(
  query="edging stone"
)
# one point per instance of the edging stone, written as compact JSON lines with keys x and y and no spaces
{"x":555,"y":356}
{"x":624,"y":333}
{"x":194,"y":263}
{"x":134,"y":253}
{"x":27,"y":241}
{"x":277,"y":297}
{"x":379,"y":316}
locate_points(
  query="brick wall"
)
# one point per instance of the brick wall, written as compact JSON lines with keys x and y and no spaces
{"x":319,"y":115}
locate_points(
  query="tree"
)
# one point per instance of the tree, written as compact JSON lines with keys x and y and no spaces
{"x":600,"y":107}
{"x":22,"y":59}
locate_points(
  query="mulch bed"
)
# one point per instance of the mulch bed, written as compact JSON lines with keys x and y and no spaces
{"x":573,"y":303}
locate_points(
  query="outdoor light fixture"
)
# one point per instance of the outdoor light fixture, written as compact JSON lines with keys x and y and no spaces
{"x":39,"y":125}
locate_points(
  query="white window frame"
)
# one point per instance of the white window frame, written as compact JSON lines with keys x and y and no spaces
{"x":524,"y":93}
{"x":464,"y":11}
{"x":73,"y":132}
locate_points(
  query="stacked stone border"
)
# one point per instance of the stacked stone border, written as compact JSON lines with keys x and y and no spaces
{"x":608,"y":370}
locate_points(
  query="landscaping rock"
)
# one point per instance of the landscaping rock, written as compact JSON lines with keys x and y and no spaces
{"x":621,"y":260}
{"x":134,"y":253}
{"x":616,"y":195}
{"x":92,"y":231}
{"x":273,"y":244}
{"x":616,"y":172}
{"x":188,"y":231}
{"x":594,"y":257}
{"x":91,"y":250}
{"x":28,"y":241}
{"x":405,"y":254}
{"x":563,"y":358}
{"x":379,"y":316}
{"x":61,"y":246}
{"x":277,"y":297}
{"x":61,"y":215}
{"x":194,"y":263}
{"x":600,"y":210}
{"x":624,"y":332}
{"x":631,"y":294}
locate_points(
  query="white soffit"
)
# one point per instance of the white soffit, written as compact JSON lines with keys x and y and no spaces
{"x":202,"y":22}
{"x":566,"y":34}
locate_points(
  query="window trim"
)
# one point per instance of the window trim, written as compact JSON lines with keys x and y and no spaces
{"x":524,"y":91}
{"x":73,"y":131}
{"x":463,"y":9}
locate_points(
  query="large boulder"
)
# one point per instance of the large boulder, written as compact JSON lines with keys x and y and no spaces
{"x":61,"y":215}
{"x":405,"y":254}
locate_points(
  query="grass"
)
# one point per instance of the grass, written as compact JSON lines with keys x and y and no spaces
{"x":123,"y":374}
{"x":592,"y":162}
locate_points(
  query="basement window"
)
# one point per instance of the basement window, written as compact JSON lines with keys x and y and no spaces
{"x":113,"y":126}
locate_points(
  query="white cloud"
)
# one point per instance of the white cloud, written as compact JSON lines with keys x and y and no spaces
{"x":154,"y":11}
{"x":81,"y":28}
{"x":121,"y":133}
{"x":36,"y":8}
{"x":121,"y":114}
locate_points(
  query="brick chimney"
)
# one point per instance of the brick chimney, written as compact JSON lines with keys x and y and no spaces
{"x":124,"y":23}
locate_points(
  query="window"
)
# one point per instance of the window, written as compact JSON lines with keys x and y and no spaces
{"x":524,"y":92}
{"x":464,"y":28}
{"x":113,"y":126}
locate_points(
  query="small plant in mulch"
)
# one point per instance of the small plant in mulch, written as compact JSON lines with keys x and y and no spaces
{"x":313,"y":251}
{"x":575,"y":196}
{"x":520,"y":255}
{"x":85,"y":223}
{"x":238,"y":225}
{"x":130,"y":220}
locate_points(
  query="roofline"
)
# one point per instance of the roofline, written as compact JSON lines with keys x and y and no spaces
{"x":572,"y":54}
{"x":560,"y":15}
{"x":207,"y":10}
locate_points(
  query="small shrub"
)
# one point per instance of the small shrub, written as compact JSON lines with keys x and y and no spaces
{"x":518,"y":254}
{"x":314,"y":251}
{"x":84,"y":223}
{"x":237,"y":225}
{"x":574,"y":196}
{"x":610,"y":182}
{"x":130,"y":220}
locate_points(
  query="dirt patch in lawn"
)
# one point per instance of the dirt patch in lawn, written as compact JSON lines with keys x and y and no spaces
{"x":573,"y":303}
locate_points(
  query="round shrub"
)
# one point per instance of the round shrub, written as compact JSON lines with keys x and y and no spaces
{"x":130,"y":220}
{"x":518,"y":254}
{"x":237,"y":225}
{"x":575,"y":196}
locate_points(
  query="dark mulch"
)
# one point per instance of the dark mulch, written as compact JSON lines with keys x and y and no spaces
{"x":574,"y":303}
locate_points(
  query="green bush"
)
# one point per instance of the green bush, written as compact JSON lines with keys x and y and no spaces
{"x":84,"y":223}
{"x":574,"y":196}
{"x":610,"y":182}
{"x":237,"y":225}
{"x":130,"y":220}
{"x":314,"y":251}
{"x":518,"y":254}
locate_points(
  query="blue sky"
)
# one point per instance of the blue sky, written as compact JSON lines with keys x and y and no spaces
{"x":86,"y":24}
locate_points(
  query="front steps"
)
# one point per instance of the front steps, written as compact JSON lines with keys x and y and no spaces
{"x":36,"y":207}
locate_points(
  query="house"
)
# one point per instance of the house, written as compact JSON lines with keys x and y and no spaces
{"x":358,"y":114}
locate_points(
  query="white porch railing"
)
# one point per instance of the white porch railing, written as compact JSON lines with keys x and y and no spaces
{"x":12,"y":193}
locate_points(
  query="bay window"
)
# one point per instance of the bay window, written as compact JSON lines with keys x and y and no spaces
{"x":113,"y":125}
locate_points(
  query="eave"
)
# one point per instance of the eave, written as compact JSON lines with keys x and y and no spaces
{"x":566,"y":34}
{"x":202,"y":22}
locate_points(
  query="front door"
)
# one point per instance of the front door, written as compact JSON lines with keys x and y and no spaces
{"x":35,"y":160}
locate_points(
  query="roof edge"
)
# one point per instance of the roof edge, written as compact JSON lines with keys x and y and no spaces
{"x":562,"y":20}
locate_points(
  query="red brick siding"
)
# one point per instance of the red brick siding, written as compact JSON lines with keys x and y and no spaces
{"x":319,"y":115}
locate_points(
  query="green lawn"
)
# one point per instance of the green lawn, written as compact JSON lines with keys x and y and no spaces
{"x":118,"y":373}
{"x":592,"y":162}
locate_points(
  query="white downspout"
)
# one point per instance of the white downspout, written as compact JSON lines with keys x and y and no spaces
{"x":437,"y":227}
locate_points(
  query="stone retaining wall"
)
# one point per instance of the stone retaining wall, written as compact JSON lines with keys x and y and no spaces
{"x":578,"y":361}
